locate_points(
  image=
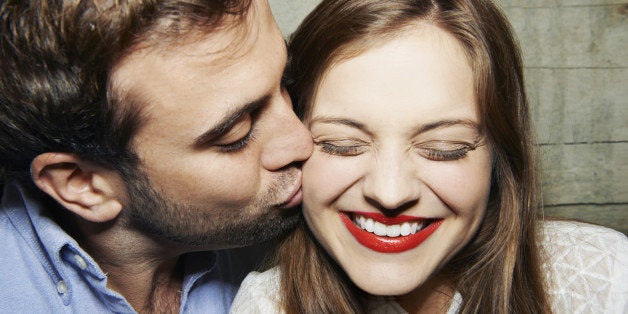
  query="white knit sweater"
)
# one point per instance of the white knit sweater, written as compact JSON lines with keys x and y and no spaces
{"x":586,"y":267}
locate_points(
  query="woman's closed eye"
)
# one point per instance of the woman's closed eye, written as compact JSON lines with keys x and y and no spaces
{"x":342,"y":147}
{"x":444,"y":150}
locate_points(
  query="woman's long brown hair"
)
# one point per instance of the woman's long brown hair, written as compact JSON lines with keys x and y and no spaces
{"x":499,"y":271}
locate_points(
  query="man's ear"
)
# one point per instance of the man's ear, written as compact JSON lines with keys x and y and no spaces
{"x":91,"y":191}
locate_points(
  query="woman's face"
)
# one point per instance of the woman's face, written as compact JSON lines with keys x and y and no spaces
{"x":400,"y":177}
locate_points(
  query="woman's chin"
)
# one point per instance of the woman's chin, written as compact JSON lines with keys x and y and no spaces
{"x":383,"y":285}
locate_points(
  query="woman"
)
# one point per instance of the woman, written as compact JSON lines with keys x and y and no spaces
{"x":422,"y":187}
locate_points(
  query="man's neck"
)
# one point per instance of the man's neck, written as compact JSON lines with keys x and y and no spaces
{"x":147,"y":273}
{"x":151,"y":287}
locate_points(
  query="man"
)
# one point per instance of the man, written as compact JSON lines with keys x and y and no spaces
{"x":138,"y":140}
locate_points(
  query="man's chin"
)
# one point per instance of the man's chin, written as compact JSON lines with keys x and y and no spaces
{"x":262,"y":230}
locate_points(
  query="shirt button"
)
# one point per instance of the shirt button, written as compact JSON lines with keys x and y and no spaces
{"x":62,"y":288}
{"x":80,"y":262}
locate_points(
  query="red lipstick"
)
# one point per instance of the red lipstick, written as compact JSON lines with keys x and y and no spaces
{"x":385,"y":244}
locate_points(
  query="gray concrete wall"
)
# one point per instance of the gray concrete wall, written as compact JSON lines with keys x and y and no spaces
{"x":576,"y":54}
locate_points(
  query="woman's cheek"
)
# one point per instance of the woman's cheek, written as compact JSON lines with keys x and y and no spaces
{"x":463,"y":186}
{"x":327,"y":177}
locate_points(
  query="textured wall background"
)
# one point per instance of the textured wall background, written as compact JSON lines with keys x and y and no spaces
{"x":576,"y":54}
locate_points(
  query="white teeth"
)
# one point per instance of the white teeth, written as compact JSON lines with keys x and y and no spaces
{"x":405,"y":229}
{"x":420,"y":226}
{"x":380,"y":229}
{"x":368,"y":225}
{"x":393,"y":231}
{"x":361,"y":220}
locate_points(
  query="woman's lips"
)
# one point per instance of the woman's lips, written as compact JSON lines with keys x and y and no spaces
{"x":396,"y":234}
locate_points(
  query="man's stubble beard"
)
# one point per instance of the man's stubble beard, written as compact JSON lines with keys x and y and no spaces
{"x":150,"y":212}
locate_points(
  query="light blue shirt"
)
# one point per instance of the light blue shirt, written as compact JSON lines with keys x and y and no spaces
{"x":44,"y":270}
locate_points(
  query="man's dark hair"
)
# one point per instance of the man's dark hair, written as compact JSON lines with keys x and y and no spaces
{"x":56,"y":58}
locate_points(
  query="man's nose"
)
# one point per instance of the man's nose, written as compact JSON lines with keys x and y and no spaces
{"x":290,"y":141}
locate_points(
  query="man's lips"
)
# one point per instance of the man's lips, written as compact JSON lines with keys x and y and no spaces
{"x":293,"y":201}
{"x":296,"y":194}
{"x":399,"y":241}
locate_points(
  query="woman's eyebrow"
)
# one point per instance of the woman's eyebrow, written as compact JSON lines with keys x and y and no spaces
{"x":422,"y":128}
{"x":447,"y":123}
{"x":339,"y":121}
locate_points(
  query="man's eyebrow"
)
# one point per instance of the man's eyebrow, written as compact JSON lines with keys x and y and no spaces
{"x":227,"y":122}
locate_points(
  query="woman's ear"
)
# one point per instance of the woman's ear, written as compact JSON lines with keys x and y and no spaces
{"x":90,"y":191}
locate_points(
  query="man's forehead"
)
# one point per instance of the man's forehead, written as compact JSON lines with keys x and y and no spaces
{"x":202,"y":46}
{"x":207,"y":64}
{"x":221,"y":46}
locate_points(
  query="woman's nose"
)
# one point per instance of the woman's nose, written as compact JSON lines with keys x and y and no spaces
{"x":392,"y":182}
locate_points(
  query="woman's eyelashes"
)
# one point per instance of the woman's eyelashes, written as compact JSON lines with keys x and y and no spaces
{"x":431,"y":150}
{"x":342,"y":147}
{"x":444,"y":150}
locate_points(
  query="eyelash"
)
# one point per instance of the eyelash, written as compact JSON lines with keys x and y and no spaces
{"x":431,"y":154}
{"x":445,"y":155}
{"x":339,"y":150}
{"x":239,"y":144}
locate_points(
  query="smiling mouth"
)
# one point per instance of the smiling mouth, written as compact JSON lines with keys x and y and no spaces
{"x":390,"y":230}
{"x":389,"y":234}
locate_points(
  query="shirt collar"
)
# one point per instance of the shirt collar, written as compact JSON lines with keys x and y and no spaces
{"x":27,"y":210}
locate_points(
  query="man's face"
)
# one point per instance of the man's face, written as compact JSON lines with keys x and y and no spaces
{"x":219,"y":141}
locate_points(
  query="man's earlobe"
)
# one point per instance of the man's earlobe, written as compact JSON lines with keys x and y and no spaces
{"x":90,"y":191}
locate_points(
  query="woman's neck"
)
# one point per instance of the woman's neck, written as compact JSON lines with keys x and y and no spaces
{"x":434,"y":296}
